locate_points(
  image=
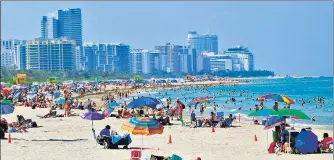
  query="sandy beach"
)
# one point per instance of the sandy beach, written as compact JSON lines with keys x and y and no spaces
{"x":71,"y":138}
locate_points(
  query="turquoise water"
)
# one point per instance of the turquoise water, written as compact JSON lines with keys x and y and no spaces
{"x":295,"y":88}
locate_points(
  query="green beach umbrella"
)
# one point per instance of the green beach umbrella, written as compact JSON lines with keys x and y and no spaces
{"x":6,"y":101}
{"x":263,"y":113}
{"x":293,"y":113}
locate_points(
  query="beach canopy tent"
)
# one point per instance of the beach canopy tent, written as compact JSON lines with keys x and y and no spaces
{"x":306,"y":142}
{"x":144,"y":101}
{"x":6,"y":108}
{"x":277,"y":97}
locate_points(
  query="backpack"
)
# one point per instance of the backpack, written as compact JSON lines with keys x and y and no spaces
{"x":33,"y":124}
{"x":183,"y":106}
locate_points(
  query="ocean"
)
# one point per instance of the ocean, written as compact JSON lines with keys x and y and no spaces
{"x":294,"y":88}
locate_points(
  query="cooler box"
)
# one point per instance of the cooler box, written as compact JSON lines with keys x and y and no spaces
{"x":135,"y":154}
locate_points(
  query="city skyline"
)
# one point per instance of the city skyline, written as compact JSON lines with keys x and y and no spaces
{"x":289,"y":51}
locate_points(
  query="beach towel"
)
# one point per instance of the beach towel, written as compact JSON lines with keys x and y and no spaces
{"x":175,"y":157}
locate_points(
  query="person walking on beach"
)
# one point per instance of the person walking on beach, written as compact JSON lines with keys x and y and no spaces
{"x":179,"y":107}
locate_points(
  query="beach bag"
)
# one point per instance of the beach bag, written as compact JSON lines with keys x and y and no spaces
{"x":183,"y":106}
{"x":33,"y":124}
{"x":271,"y":148}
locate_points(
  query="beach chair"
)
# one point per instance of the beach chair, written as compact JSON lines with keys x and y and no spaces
{"x":228,"y":122}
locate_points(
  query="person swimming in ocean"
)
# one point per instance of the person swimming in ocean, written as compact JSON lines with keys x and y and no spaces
{"x":313,"y":119}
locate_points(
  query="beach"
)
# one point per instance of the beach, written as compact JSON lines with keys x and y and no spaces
{"x":71,"y":138}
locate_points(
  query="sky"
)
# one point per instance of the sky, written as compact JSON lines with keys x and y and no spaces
{"x":289,"y":38}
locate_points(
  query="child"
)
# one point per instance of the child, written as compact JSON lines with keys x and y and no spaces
{"x":192,"y":116}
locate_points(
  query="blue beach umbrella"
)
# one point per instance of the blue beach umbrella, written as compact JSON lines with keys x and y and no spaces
{"x":144,"y":101}
{"x":306,"y":142}
{"x":112,"y":104}
{"x":60,"y":101}
{"x":6,"y":108}
{"x":56,"y":94}
{"x":274,"y":121}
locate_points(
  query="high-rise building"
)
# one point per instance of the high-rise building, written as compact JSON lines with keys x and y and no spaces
{"x":154,"y":60}
{"x":70,"y":24}
{"x":21,"y":57}
{"x":141,"y":62}
{"x":203,"y":63}
{"x":11,"y":45}
{"x":7,"y":57}
{"x":65,"y":23}
{"x":136,"y":61}
{"x":185,"y":63}
{"x":202,"y":43}
{"x":49,"y":26}
{"x":219,"y":62}
{"x":242,"y":58}
{"x":171,"y":52}
{"x":51,"y":55}
{"x":89,"y":60}
{"x":192,"y":53}
{"x":108,"y":57}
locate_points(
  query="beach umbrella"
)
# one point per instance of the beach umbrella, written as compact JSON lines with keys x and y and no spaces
{"x":144,"y":101}
{"x":142,"y":126}
{"x":17,"y":95}
{"x":5,"y":91}
{"x":107,"y":112}
{"x":6,"y":108}
{"x":306,"y":142}
{"x":274,"y":121}
{"x":60,"y":100}
{"x":93,"y":116}
{"x":6,"y":101}
{"x":263,"y":113}
{"x":113,"y":104}
{"x":86,"y":104}
{"x":199,"y":100}
{"x":293,"y":113}
{"x":56,"y":94}
{"x":278,"y":97}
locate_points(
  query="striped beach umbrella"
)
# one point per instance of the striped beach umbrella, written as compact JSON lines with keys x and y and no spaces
{"x":142,"y":126}
{"x":277,"y":97}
